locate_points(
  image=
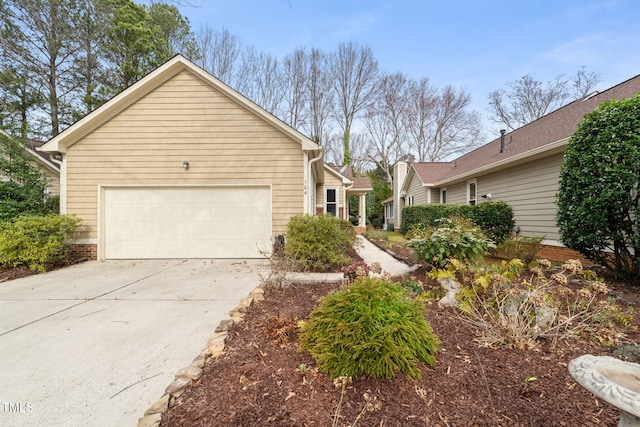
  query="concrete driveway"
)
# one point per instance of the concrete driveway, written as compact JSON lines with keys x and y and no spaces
{"x":97,"y":343}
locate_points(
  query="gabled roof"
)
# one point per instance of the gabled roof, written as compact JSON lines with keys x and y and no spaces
{"x":43,"y":158}
{"x":360,"y":183}
{"x":428,"y":172}
{"x":150,"y":82}
{"x":547,"y":134}
{"x":33,"y":147}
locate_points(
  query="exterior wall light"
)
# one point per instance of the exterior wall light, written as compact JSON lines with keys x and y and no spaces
{"x":185,"y":165}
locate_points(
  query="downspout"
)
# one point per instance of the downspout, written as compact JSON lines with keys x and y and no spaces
{"x":63,"y":180}
{"x":311,"y":210}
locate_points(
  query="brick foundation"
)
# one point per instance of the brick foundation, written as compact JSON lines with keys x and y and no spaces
{"x":87,"y":251}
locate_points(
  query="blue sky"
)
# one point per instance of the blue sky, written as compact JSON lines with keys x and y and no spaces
{"x":477,"y":44}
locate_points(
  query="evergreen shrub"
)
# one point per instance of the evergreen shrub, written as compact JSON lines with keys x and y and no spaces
{"x":36,"y":242}
{"x":317,"y":242}
{"x":371,"y":327}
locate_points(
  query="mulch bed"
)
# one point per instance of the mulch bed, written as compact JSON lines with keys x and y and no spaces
{"x":263,"y":379}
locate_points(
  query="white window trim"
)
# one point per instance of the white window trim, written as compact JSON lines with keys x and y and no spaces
{"x":389,"y":210}
{"x":443,"y":191}
{"x":475,"y":199}
{"x":337,"y":202}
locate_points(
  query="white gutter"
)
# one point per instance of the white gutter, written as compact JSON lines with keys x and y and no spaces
{"x":521,"y":156}
{"x":309,"y":192}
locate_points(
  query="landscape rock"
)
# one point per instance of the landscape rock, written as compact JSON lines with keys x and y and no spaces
{"x":453,"y":288}
{"x":190,"y":372}
{"x":628,"y":351}
{"x":150,"y":420}
{"x":199,"y":361}
{"x":159,"y":407}
{"x":216,"y":346}
{"x":224,"y":325}
{"x":177,"y":386}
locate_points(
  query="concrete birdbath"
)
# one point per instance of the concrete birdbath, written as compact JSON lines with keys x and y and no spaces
{"x":612,"y":380}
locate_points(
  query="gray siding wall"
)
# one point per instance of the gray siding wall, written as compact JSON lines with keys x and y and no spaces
{"x":416,"y":190}
{"x":530,"y":189}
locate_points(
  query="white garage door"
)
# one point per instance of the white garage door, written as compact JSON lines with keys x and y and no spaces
{"x":186,"y":222}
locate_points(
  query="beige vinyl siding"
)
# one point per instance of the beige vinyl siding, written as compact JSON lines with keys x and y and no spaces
{"x":330,"y":180}
{"x":415,"y":189}
{"x":530,"y":189}
{"x":185,"y":119}
{"x":53,"y":184}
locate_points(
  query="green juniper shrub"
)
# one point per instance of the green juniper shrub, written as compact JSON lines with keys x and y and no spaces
{"x":316,"y":242}
{"x":453,"y":238}
{"x":36,"y":242}
{"x":371,"y":327}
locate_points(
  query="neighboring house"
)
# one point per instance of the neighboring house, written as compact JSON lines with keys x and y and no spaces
{"x":339,"y":184}
{"x":45,"y":163}
{"x":521,"y":167}
{"x":179,"y":165}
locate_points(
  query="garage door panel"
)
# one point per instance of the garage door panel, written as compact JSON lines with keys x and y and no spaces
{"x":186,"y":222}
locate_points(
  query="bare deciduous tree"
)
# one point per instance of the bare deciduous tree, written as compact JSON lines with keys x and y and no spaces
{"x":584,"y":82}
{"x":385,"y":122}
{"x":294,"y":84}
{"x":455,"y":129}
{"x":354,"y":72}
{"x":320,"y":97}
{"x":420,"y":111}
{"x":219,"y":53}
{"x":259,"y":79}
{"x":528,"y":99}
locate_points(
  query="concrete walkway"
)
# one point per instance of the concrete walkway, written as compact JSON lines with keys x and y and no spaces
{"x":370,"y":253}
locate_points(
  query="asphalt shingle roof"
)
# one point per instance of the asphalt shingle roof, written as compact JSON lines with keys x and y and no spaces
{"x":555,"y":126}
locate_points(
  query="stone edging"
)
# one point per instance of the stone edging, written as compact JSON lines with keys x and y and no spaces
{"x":192,"y":373}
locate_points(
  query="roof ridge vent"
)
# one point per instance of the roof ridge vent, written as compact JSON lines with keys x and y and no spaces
{"x":590,"y":95}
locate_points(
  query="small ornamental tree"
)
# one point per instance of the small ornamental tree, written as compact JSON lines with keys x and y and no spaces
{"x":598,"y":203}
{"x":22,"y":184}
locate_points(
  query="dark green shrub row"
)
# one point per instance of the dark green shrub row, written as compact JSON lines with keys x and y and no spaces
{"x":372,"y":328}
{"x":495,"y":219}
{"x":36,"y":242}
{"x":316,"y":242}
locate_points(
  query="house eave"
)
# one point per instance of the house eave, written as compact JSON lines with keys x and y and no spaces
{"x":151,"y":81}
{"x":546,"y":149}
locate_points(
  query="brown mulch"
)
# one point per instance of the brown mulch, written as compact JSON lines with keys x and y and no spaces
{"x":13,"y":273}
{"x":263,"y":379}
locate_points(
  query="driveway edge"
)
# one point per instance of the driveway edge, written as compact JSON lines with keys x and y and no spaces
{"x":190,"y":375}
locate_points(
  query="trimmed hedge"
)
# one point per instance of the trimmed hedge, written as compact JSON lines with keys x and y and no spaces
{"x":318,"y":242}
{"x":495,"y":219}
{"x":36,"y":242}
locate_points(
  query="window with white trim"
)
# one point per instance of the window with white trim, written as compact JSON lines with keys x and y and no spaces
{"x":388,"y":211}
{"x":331,"y":201}
{"x":443,"y":195}
{"x":409,"y":200}
{"x":472,"y":191}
